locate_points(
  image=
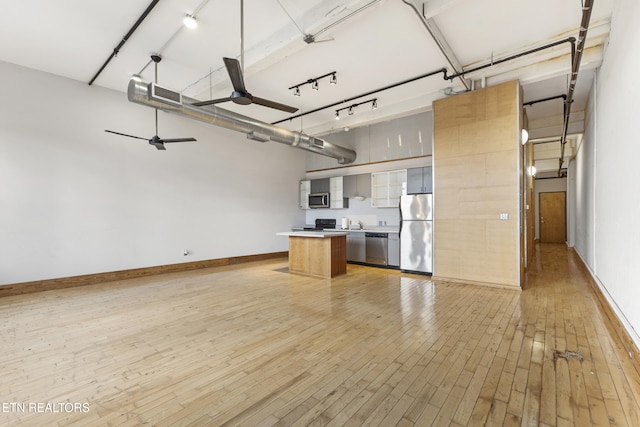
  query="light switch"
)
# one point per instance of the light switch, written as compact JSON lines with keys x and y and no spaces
{"x":504,"y":216}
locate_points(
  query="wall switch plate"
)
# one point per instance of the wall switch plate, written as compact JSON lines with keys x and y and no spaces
{"x":504,"y":216}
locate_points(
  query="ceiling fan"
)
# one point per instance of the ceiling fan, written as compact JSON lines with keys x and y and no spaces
{"x":240,"y":95}
{"x":155,"y":140}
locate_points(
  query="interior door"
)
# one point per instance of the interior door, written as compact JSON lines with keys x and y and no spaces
{"x":553,"y":217}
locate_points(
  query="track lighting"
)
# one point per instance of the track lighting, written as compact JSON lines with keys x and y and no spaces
{"x":190,"y":22}
{"x":314,"y":82}
{"x":350,"y":108}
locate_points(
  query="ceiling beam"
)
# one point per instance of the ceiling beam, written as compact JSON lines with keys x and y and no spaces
{"x":431,"y":8}
{"x":439,"y":39}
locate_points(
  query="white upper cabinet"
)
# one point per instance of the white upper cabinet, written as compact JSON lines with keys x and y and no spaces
{"x":305,"y":190}
{"x":387,"y":187}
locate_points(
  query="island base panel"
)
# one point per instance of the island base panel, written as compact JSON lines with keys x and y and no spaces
{"x":326,"y":257}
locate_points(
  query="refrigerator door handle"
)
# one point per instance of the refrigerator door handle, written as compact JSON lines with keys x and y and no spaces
{"x":400,"y":209}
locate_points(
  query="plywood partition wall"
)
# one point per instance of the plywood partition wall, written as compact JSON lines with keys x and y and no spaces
{"x":476,"y":161}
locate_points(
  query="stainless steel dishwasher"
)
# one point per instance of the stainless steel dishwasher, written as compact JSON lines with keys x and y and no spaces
{"x":376,"y":248}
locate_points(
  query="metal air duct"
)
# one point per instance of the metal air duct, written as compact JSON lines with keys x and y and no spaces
{"x":164,"y":99}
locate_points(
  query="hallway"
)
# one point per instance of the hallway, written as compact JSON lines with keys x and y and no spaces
{"x":583,"y":373}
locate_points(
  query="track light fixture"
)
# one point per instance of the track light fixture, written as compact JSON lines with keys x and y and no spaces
{"x":314,"y":82}
{"x":350,"y":108}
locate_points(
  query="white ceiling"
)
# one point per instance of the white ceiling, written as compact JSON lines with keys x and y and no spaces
{"x":371,"y":44}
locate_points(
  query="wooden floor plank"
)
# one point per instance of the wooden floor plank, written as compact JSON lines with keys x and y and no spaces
{"x":251,"y":344}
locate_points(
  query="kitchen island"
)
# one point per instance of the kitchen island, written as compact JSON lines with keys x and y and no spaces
{"x":317,"y":253}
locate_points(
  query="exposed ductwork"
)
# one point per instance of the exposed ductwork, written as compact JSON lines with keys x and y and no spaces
{"x":155,"y":96}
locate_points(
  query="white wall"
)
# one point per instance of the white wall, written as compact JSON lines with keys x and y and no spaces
{"x":75,"y":200}
{"x":607,"y":225}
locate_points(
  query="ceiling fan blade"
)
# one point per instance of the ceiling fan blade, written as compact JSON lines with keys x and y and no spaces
{"x":273,"y":104}
{"x":210,"y":102}
{"x":235,"y":74}
{"x":177,"y":140}
{"x":124,"y":134}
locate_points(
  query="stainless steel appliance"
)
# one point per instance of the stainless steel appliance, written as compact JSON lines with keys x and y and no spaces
{"x":322,"y":224}
{"x":318,"y":200}
{"x":416,"y":233}
{"x":376,"y":248}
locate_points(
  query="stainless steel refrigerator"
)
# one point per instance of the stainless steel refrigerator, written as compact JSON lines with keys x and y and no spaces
{"x":416,"y":233}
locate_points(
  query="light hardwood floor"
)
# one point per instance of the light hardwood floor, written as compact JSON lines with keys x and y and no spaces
{"x":253,"y":345}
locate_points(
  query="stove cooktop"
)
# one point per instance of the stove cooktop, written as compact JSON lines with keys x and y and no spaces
{"x":322,"y":224}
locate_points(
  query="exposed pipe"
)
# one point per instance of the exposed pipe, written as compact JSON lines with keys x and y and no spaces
{"x":445,"y":76}
{"x":530,"y":103}
{"x":125,"y":38}
{"x":362,"y":95}
{"x":571,"y":40}
{"x":587,"y":6}
{"x":141,"y":93}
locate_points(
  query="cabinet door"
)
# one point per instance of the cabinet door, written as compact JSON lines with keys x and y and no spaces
{"x":387,"y":187}
{"x":397,"y":186}
{"x":393,"y":250}
{"x":380,"y":189}
{"x":419,"y":180}
{"x":305,"y":190}
{"x":428,"y":179}
{"x":320,"y":185}
{"x":336,"y":192}
{"x":415,"y":181}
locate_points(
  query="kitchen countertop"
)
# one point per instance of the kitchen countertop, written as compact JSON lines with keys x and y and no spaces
{"x":375,"y":230}
{"x":321,"y":234}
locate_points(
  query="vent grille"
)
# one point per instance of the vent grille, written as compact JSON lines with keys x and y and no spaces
{"x":163,"y":94}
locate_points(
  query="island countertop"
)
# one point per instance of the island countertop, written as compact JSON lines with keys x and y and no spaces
{"x":320,"y":234}
{"x":317,"y":253}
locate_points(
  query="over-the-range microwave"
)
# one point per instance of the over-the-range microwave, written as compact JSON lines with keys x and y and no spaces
{"x":318,"y":200}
